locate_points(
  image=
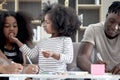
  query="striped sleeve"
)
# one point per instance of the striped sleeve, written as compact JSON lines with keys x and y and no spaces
{"x":32,"y":53}
{"x":67,"y":56}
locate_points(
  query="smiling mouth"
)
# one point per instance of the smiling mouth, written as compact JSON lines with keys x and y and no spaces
{"x":111,"y":35}
{"x":112,"y":32}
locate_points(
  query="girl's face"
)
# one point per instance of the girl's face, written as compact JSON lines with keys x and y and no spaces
{"x":10,"y":27}
{"x":48,"y":25}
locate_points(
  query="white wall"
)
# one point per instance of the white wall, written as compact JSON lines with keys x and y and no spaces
{"x":105,"y":4}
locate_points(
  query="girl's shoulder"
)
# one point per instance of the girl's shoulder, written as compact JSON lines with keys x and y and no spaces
{"x":63,"y":38}
{"x":66,"y":39}
{"x":55,"y":39}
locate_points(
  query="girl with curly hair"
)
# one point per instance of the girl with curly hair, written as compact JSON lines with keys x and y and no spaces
{"x":56,"y":51}
{"x":15,"y":24}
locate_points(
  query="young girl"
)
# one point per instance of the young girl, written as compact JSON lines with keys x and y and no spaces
{"x":57,"y":51}
{"x":17,"y":25}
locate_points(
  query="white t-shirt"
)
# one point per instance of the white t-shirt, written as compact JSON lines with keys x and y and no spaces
{"x":108,"y":48}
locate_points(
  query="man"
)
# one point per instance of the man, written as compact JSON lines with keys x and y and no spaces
{"x":105,"y":38}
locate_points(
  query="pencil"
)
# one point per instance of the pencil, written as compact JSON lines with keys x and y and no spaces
{"x":29,"y":60}
{"x":99,"y":56}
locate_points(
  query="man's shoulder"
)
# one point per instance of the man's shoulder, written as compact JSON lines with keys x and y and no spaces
{"x":100,"y":24}
{"x":96,"y":26}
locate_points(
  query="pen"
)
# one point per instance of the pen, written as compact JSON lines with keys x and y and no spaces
{"x":99,"y":56}
{"x":29,"y":60}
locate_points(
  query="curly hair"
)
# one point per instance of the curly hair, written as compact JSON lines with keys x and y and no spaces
{"x":114,"y":7}
{"x":25,"y":33}
{"x":64,"y":19}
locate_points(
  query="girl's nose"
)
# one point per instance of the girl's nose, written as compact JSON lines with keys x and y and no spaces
{"x":11,"y":27}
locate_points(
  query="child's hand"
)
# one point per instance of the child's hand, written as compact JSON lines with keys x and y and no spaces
{"x":13,"y":68}
{"x":31,"y":69}
{"x":12,"y":38}
{"x":47,"y":54}
{"x":52,"y":54}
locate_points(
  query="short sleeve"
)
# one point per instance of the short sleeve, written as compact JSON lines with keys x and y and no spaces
{"x":89,"y":34}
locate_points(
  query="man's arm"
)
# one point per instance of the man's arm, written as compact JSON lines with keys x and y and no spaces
{"x":83,"y":58}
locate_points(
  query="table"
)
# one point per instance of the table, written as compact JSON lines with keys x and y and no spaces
{"x":64,"y":75}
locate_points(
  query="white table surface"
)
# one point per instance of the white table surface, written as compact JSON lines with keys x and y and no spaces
{"x":63,"y":75}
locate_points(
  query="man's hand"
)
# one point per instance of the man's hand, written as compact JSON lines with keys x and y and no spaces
{"x":102,"y":62}
{"x":116,"y":69}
